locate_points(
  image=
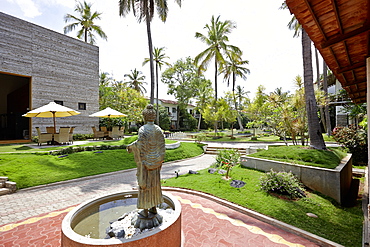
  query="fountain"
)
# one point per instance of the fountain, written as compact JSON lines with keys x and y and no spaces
{"x":86,"y":224}
{"x":146,"y":217}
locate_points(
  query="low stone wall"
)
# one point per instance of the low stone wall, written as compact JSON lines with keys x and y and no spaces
{"x":173,"y":145}
{"x":335,"y":183}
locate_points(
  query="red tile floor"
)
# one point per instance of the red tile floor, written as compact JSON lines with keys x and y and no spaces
{"x":204,"y":223}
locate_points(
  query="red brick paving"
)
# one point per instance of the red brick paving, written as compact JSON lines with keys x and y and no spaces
{"x":199,"y":229}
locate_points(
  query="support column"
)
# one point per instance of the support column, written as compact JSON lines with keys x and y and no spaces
{"x":365,"y":200}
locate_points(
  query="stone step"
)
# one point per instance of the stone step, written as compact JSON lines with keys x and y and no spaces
{"x":4,"y":191}
{"x":214,"y":150}
{"x":3,"y":178}
{"x":12,"y":186}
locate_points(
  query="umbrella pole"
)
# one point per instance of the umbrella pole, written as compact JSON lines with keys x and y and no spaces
{"x":55,"y":128}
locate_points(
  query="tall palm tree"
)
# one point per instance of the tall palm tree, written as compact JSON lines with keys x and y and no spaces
{"x":158,"y":56}
{"x":136,"y":81}
{"x":314,"y":129}
{"x":144,"y":10}
{"x":216,"y":39}
{"x":86,"y":21}
{"x":233,"y":68}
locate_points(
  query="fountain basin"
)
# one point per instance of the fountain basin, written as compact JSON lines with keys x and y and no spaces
{"x":168,"y":234}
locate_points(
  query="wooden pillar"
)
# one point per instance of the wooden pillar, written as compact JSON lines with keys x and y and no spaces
{"x":365,"y":203}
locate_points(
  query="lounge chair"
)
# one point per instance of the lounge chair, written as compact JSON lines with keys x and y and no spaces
{"x":115,"y":133}
{"x":43,"y":137}
{"x":71,"y":134}
{"x":104,"y":129}
{"x":62,"y":136}
{"x":97,"y":134}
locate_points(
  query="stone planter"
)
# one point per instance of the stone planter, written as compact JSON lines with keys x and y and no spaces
{"x":335,"y":183}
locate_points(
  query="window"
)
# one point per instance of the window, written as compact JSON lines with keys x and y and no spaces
{"x":82,"y":106}
{"x":58,"y":102}
{"x":173,"y":110}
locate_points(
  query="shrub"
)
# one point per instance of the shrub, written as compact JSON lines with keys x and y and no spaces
{"x":227,"y":159}
{"x":354,"y":138}
{"x":283,"y":183}
{"x":200,"y":137}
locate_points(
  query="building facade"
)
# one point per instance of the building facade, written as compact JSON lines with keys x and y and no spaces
{"x":37,"y":66}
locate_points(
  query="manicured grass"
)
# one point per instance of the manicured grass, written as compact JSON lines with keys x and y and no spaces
{"x":31,"y":169}
{"x":303,"y":155}
{"x":338,"y":224}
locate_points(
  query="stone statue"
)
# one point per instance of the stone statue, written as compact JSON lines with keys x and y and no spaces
{"x":149,"y":151}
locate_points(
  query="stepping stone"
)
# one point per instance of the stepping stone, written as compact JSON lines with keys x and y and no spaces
{"x":4,"y":191}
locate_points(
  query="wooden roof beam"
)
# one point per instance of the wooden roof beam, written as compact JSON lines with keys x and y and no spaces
{"x":352,"y":67}
{"x":315,"y":18}
{"x":340,"y":38}
{"x":336,"y":12}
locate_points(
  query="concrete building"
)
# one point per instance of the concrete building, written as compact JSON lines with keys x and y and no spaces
{"x":38,"y":66}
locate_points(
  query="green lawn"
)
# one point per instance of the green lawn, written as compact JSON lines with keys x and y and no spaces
{"x":31,"y":169}
{"x":303,"y":155}
{"x":341,"y":225}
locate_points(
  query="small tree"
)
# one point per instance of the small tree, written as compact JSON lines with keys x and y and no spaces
{"x":227,"y":159}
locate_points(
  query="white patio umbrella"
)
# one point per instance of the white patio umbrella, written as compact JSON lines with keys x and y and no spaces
{"x":53,"y":110}
{"x":108,"y":112}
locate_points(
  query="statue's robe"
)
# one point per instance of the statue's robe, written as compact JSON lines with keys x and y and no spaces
{"x":149,"y":151}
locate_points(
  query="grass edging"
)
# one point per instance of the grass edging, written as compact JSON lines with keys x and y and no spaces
{"x":307,"y":235}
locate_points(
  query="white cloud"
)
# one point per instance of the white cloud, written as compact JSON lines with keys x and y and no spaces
{"x":28,"y":7}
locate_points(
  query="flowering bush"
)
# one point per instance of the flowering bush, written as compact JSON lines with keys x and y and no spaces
{"x":354,"y":138}
{"x":227,"y":159}
{"x":284,"y":183}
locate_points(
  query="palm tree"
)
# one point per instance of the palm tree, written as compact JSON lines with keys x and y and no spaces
{"x":158,"y":57}
{"x":203,"y":98}
{"x":144,"y":10}
{"x":314,"y":130}
{"x":86,"y":21}
{"x":136,"y":81}
{"x":216,"y":39}
{"x":233,"y":68}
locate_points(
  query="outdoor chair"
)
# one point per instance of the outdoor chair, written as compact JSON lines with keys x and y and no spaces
{"x":104,"y":129}
{"x":43,"y":137}
{"x":62,"y":136}
{"x":97,"y":134}
{"x":50,"y":130}
{"x":71,"y":134}
{"x":115,"y":133}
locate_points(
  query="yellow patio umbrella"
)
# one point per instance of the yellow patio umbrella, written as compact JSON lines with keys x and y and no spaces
{"x":108,"y":113}
{"x":53,"y":110}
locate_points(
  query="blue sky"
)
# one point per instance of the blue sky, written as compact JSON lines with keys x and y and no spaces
{"x":262,"y":34}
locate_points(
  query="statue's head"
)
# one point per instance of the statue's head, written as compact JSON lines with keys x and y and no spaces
{"x":149,"y":113}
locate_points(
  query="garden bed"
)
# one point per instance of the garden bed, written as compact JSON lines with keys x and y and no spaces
{"x":335,"y":183}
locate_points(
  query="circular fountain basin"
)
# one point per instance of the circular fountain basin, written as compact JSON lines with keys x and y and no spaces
{"x":85,"y":225}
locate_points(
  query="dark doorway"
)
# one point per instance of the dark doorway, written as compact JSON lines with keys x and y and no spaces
{"x":14,"y":102}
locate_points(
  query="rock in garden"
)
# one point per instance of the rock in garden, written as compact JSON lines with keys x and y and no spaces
{"x":212,"y":170}
{"x":193,"y":172}
{"x":221,"y":171}
{"x":312,"y":215}
{"x":237,"y":183}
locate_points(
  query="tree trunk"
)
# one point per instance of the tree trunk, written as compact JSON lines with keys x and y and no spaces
{"x":236,"y":106}
{"x":325,"y":88}
{"x":216,"y":79}
{"x":314,"y":131}
{"x":156,"y":87}
{"x":150,"y":44}
{"x":200,"y":119}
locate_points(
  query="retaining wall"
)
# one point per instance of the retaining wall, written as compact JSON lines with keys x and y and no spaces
{"x":335,"y":183}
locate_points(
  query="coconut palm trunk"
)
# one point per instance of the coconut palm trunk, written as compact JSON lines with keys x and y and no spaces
{"x":150,"y":45}
{"x":314,"y":131}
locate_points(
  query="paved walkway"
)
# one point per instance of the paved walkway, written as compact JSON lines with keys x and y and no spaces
{"x":32,"y":217}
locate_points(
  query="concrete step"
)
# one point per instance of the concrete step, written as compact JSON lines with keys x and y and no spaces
{"x":4,"y":191}
{"x":214,"y":150}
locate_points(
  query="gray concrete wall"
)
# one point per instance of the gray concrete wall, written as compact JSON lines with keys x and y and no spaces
{"x":331,"y":182}
{"x":61,"y":68}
